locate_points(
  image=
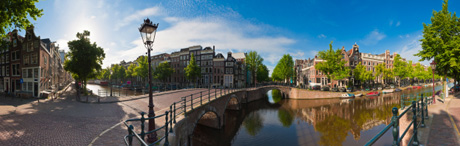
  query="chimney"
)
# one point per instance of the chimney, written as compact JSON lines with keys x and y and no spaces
{"x":316,"y":56}
{"x":214,"y":48}
{"x":229,"y":54}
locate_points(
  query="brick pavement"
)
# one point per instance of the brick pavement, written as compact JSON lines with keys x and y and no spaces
{"x":441,"y":131}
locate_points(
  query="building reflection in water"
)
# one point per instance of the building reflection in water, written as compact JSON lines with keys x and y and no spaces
{"x":313,"y":122}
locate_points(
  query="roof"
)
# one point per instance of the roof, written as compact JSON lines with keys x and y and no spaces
{"x":239,"y":55}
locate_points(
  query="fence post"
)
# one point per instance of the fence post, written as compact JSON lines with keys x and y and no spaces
{"x":395,"y":126}
{"x":423,"y":113}
{"x":201,"y":97}
{"x":209,"y":95}
{"x":191,"y":101}
{"x":130,"y":135}
{"x":414,"y":111}
{"x":185,"y":105}
{"x":220,"y":92}
{"x":170,"y":117}
{"x":166,"y":130}
{"x":426,"y":107}
{"x":142,"y":126}
{"x":403,"y":105}
{"x":174,"y":113}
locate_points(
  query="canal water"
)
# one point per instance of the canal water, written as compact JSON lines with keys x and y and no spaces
{"x":274,"y":121}
{"x":102,"y":90}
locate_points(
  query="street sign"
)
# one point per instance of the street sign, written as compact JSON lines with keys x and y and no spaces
{"x":128,"y":82}
{"x":21,"y":81}
{"x":79,"y":83}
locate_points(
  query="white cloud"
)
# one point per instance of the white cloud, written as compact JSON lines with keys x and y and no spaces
{"x":297,"y":55}
{"x":373,"y":37}
{"x":139,"y":15}
{"x":322,"y":36}
{"x":398,"y":23}
{"x":391,"y":22}
{"x":63,"y":44}
{"x":410,"y":48}
{"x":404,"y":36}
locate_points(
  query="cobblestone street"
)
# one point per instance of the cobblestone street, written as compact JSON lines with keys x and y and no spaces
{"x":65,"y":121}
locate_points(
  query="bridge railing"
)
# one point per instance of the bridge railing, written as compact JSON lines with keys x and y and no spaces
{"x":186,"y":104}
{"x":141,"y":136}
{"x":419,"y":107}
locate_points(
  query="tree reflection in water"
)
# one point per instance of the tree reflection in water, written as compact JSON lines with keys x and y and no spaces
{"x":253,"y":123}
{"x":333,"y":130}
{"x":286,"y":117}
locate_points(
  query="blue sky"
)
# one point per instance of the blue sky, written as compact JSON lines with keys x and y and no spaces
{"x":271,"y":27}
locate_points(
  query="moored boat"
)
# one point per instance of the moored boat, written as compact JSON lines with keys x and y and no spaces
{"x":373,"y":94}
{"x":398,"y":90}
{"x":359,"y":95}
{"x":348,"y":95}
{"x":388,"y":91}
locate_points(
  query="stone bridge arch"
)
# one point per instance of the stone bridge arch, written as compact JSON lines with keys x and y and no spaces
{"x":233,"y":103}
{"x":209,"y":117}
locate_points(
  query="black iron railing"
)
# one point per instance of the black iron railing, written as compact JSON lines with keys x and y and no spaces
{"x":419,"y":107}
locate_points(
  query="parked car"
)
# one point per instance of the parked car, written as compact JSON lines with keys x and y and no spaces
{"x":316,"y":87}
{"x":343,"y":89}
{"x":325,"y":88}
{"x":379,"y":88}
{"x":367,"y":88}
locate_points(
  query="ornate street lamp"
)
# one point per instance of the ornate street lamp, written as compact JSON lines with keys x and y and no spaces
{"x":148,"y":32}
{"x":433,"y":67}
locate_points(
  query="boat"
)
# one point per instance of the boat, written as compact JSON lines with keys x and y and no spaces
{"x":398,"y":90}
{"x":416,"y":87}
{"x":348,"y":95}
{"x":359,"y":95}
{"x":388,"y":91}
{"x":373,"y":94}
{"x":102,"y":83}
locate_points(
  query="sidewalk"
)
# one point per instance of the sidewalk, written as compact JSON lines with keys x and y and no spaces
{"x":442,"y":125}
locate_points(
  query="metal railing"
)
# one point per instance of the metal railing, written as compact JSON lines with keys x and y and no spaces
{"x":419,"y":107}
{"x":186,"y":104}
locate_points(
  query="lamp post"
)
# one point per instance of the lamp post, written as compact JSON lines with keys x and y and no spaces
{"x":148,"y":32}
{"x":433,"y":67}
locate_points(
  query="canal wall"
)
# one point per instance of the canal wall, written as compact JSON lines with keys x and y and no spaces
{"x":296,"y":93}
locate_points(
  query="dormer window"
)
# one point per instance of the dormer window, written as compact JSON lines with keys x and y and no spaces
{"x":15,"y":43}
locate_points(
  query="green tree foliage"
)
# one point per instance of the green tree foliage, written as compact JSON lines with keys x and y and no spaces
{"x":142,"y":70}
{"x":253,"y":123}
{"x":253,"y":61}
{"x":163,"y":71}
{"x":441,"y":41}
{"x":130,"y":71}
{"x":286,"y":117}
{"x":115,"y":72}
{"x":82,"y":51}
{"x":333,"y":65}
{"x":262,"y":73}
{"x":400,"y":68}
{"x":192,"y":71}
{"x":16,"y":13}
{"x":285,"y":68}
{"x":360,"y":73}
{"x":276,"y":96}
{"x":105,"y":74}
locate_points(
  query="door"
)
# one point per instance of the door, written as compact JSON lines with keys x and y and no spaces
{"x":36,"y":89}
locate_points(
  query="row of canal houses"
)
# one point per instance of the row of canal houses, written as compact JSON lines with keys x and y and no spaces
{"x":216,"y":69}
{"x":31,"y":66}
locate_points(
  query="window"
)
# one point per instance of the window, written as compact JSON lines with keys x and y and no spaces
{"x":15,"y":43}
{"x":29,"y":73}
{"x":35,"y":58}
{"x":26,"y":59}
{"x":35,"y":72}
{"x":7,"y":70}
{"x":24,"y":88}
{"x":31,"y":47}
{"x":29,"y":86}
{"x":15,"y":70}
{"x":7,"y":58}
{"x":24,"y":72}
{"x":44,"y":59}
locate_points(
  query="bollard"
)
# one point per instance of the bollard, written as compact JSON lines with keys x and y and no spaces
{"x":414,"y":111}
{"x":426,"y":107}
{"x":174,"y":112}
{"x":130,"y":135}
{"x":170,"y":117}
{"x":422,"y":109}
{"x":166,"y":130}
{"x":395,"y":126}
{"x":142,"y":126}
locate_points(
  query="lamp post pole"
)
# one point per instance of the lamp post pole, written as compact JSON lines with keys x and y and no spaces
{"x":433,"y":67}
{"x":148,"y":32}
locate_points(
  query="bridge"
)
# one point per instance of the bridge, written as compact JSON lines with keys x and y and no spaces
{"x":203,"y":108}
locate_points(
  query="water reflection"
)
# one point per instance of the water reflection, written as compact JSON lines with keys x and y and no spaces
{"x":102,"y":90}
{"x":277,"y":121}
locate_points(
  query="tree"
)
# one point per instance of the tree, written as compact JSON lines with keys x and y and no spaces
{"x":130,"y":72}
{"x":262,"y":73}
{"x":399,"y":68}
{"x":440,"y":41}
{"x":285,"y":68}
{"x":163,"y":72}
{"x":104,"y":74}
{"x":192,"y":71}
{"x":253,"y":61}
{"x":84,"y":59}
{"x":379,"y":71}
{"x":15,"y":13}
{"x":359,"y":73}
{"x":333,"y":65}
{"x":142,"y":70}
